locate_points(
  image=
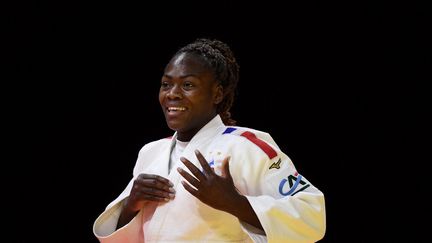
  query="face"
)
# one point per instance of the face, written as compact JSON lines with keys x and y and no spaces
{"x":188,"y":95}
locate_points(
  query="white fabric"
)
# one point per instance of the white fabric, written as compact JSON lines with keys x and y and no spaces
{"x":177,"y":152}
{"x":288,"y":206}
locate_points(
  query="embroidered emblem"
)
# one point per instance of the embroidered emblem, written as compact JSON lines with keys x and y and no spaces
{"x":276,"y":165}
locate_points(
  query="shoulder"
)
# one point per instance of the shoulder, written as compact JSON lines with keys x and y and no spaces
{"x":249,"y":133}
{"x":149,"y":153}
{"x":156,"y":145}
{"x":260,"y":140}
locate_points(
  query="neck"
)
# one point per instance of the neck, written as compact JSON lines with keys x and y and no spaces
{"x":186,"y":136}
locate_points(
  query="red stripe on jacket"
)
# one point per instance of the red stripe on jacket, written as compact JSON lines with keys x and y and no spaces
{"x":271,"y":153}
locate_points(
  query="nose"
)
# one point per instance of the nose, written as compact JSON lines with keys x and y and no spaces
{"x":175,"y":93}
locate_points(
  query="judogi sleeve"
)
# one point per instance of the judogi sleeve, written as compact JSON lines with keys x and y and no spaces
{"x":104,"y":228}
{"x":289,"y":207}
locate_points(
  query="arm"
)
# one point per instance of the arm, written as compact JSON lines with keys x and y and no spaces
{"x":119,"y":222}
{"x":243,"y":210}
{"x":287,"y":205}
{"x":122,"y":220}
{"x":279,"y":200}
{"x":126,"y":215}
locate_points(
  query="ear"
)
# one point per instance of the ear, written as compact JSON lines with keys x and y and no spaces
{"x":218,"y":94}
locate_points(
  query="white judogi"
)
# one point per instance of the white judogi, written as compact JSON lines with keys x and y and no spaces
{"x":288,"y":206}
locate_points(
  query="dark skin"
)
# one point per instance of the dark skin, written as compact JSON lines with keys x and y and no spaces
{"x":189,"y":95}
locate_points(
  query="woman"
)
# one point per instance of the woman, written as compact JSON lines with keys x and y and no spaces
{"x":211,"y":181}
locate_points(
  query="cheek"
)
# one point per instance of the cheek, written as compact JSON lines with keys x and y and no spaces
{"x":202,"y":99}
{"x":161,"y":97}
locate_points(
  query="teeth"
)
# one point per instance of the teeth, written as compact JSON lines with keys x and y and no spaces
{"x":176,"y":108}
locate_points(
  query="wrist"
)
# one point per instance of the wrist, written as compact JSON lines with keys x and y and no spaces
{"x":127,"y":208}
{"x":239,"y":205}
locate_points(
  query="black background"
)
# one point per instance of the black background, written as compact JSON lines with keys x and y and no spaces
{"x":341,"y":88}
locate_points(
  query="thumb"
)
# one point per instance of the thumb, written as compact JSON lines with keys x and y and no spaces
{"x":225,"y":172}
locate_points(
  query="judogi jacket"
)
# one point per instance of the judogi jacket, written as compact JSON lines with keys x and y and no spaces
{"x":288,"y":206}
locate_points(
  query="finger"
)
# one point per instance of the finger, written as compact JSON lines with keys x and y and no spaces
{"x":206,"y":167}
{"x":150,"y":197}
{"x":192,"y":168}
{"x":190,"y":189}
{"x":192,"y":180}
{"x":153,"y":192}
{"x":225,"y":172}
{"x":156,"y":184}
{"x":156,"y":177}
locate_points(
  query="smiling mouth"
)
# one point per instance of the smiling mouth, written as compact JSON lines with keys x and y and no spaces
{"x":170,"y":109}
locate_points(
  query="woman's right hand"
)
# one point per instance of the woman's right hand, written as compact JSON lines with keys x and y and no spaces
{"x":149,"y":188}
{"x":146,"y":188}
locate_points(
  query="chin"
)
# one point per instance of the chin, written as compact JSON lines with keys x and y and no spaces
{"x":175,"y":126}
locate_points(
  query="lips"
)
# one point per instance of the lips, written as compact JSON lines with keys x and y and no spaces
{"x":174,"y":112}
{"x":176,"y":108}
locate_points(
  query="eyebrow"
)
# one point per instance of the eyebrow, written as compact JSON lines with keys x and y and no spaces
{"x":184,"y":76}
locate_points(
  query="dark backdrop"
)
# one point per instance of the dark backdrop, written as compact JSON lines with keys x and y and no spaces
{"x":341,"y":87}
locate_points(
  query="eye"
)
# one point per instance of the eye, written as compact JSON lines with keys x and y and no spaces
{"x":165,"y":85}
{"x":188,"y":85}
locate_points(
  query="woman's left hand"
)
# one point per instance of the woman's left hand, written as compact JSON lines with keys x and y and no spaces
{"x":216,"y":191}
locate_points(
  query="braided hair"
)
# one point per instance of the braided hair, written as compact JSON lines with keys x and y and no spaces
{"x":221,"y":60}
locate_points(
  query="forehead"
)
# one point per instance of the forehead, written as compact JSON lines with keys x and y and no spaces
{"x":188,"y":63}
